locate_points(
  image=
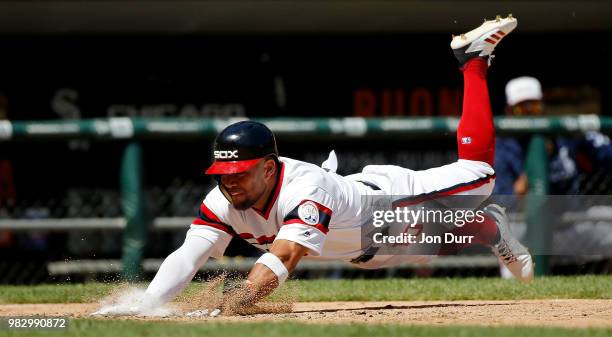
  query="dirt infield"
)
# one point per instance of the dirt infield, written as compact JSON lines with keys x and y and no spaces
{"x":560,"y":313}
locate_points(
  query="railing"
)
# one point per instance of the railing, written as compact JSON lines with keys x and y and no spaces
{"x":134,"y":223}
{"x":128,"y":128}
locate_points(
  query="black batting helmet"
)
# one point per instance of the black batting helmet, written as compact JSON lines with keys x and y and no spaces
{"x":240,"y":146}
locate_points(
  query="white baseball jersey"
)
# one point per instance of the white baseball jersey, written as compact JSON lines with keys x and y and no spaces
{"x":322,"y":210}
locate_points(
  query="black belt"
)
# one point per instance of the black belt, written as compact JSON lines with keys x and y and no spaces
{"x":370,"y":252}
{"x":366,"y":256}
{"x":370,"y":185}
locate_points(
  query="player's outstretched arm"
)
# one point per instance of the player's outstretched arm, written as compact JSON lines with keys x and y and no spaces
{"x":179,"y":268}
{"x":263,"y":278}
{"x":267,"y":274}
{"x":171,"y":278}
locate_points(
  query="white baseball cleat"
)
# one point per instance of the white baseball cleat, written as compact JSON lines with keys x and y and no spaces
{"x":481,"y":42}
{"x":509,"y":250}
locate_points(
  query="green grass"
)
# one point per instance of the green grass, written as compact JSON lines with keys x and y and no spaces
{"x":361,"y":290}
{"x":109,"y":328}
{"x":328,"y":290}
{"x":558,"y":287}
{"x":55,"y":293}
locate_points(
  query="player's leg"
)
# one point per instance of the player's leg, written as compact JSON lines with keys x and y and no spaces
{"x":473,"y":50}
{"x":476,"y":141}
{"x":476,"y":132}
{"x":473,"y":173}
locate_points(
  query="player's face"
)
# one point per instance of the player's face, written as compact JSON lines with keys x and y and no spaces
{"x":245,"y":188}
{"x":527,"y":108}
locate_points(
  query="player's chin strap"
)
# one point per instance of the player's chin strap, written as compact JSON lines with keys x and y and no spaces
{"x":217,"y":178}
{"x":223,"y":190}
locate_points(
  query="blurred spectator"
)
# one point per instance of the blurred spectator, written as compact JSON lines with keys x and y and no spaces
{"x":569,"y":158}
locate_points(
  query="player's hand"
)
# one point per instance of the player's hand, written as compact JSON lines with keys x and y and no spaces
{"x":239,"y":299}
{"x":120,"y":310}
{"x":134,"y":302}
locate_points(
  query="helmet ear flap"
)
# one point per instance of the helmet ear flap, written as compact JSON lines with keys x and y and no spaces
{"x":225,"y":194}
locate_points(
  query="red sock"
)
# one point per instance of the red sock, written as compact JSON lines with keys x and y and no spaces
{"x":485,"y":233}
{"x":476,"y":133}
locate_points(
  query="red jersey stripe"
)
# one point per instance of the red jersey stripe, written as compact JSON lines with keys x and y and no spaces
{"x":318,"y":226}
{"x":209,"y":213}
{"x":288,"y":222}
{"x":213,"y":225}
{"x":451,"y":191}
{"x":268,"y":207}
{"x":262,"y":240}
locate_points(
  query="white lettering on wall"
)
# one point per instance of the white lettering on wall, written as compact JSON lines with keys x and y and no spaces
{"x":63,"y":103}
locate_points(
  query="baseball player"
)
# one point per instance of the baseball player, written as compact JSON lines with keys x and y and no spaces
{"x":291,"y":209}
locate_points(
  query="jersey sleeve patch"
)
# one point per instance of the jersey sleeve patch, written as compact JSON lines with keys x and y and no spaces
{"x":310,"y":213}
{"x":207,"y":218}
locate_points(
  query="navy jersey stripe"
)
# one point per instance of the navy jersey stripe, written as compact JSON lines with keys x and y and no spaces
{"x":325,"y":215}
{"x":208,"y":218}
